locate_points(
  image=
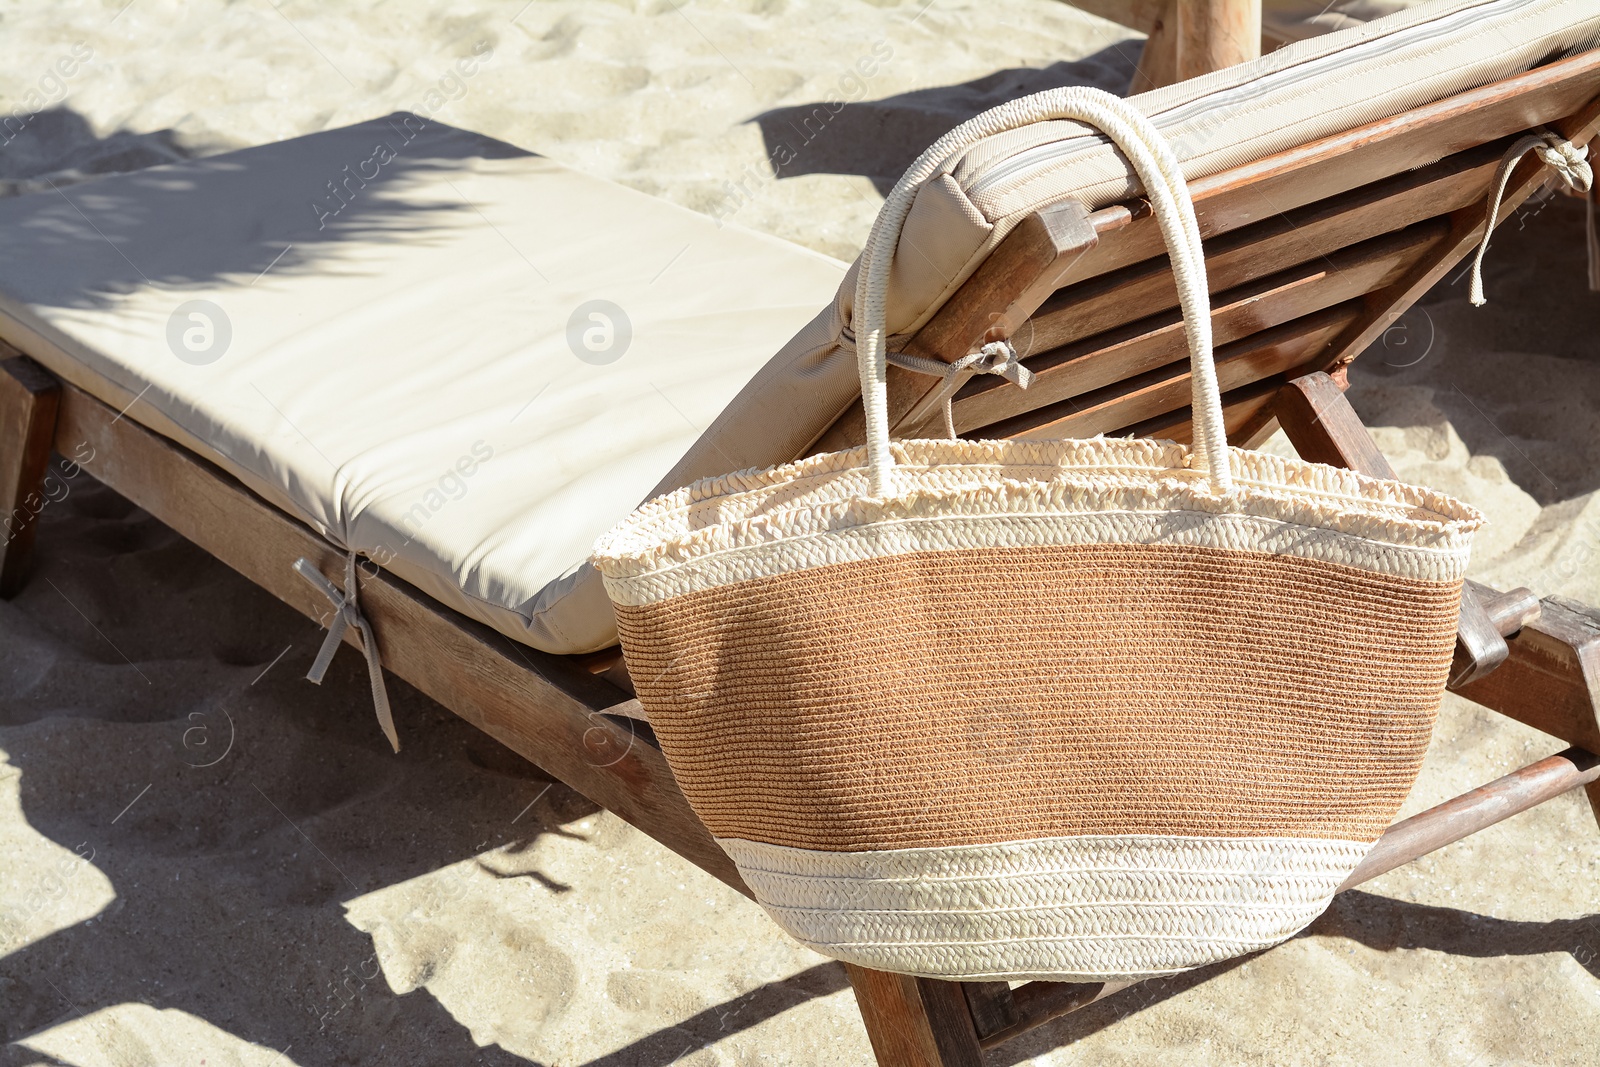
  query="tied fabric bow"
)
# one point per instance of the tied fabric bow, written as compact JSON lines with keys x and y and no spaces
{"x":996,"y":357}
{"x":347,"y":613}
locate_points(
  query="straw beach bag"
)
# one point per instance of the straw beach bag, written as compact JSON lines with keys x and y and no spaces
{"x":1076,"y":710}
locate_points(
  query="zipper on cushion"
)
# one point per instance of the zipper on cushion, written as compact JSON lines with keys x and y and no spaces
{"x":1005,"y":175}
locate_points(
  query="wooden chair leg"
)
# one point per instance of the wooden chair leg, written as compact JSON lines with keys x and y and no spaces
{"x":29,"y":399}
{"x":916,"y":1022}
{"x":1158,"y":63}
{"x":1213,"y":34}
{"x":1193,"y":37}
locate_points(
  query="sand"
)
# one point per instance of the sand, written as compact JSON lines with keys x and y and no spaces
{"x":206,"y":860}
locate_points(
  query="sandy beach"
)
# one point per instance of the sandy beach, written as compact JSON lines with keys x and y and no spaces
{"x":204,"y":859}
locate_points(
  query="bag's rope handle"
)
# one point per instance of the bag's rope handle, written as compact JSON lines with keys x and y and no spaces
{"x":1162,"y":176}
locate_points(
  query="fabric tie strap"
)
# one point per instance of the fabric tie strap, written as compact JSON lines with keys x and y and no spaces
{"x":347,"y":613}
{"x":1569,"y":161}
{"x":996,"y":357}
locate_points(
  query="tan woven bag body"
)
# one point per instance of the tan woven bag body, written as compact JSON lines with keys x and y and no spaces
{"x":1078,"y":710}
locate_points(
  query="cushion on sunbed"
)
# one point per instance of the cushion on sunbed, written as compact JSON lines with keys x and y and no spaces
{"x":399,"y":374}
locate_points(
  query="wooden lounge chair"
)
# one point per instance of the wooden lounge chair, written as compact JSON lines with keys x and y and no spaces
{"x":1313,"y":250}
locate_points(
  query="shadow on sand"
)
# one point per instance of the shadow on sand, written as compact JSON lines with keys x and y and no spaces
{"x":1519,"y":378}
{"x":881,"y":138}
{"x":1378,"y":922}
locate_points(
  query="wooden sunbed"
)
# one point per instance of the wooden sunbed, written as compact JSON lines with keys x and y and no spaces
{"x":1312,"y":253}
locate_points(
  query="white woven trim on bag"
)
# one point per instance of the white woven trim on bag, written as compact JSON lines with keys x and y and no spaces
{"x":1097,"y":524}
{"x":966,"y":480}
{"x":1089,"y":908}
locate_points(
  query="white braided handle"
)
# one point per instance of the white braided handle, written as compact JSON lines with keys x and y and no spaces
{"x":1162,"y":177}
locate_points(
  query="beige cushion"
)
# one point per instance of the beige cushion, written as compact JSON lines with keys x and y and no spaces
{"x":401,"y":377}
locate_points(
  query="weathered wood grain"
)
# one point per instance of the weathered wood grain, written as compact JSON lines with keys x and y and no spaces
{"x":1158,"y":341}
{"x":1145,"y":396}
{"x":29,"y":398}
{"x":1467,"y":227}
{"x":1247,"y":194}
{"x":1213,"y":34}
{"x":1551,"y":678}
{"x":1274,"y":244}
{"x":915,"y":1022}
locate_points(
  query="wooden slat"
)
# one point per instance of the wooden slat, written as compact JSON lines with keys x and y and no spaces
{"x":915,"y":1022}
{"x":1225,"y":202}
{"x":1336,"y":164}
{"x":1039,"y":1002}
{"x":550,"y":711}
{"x":1257,"y":432}
{"x":29,"y":398}
{"x":1155,"y":342}
{"x":1274,"y":244}
{"x":1023,"y":262}
{"x":1159,"y":392}
{"x":1240,"y":410}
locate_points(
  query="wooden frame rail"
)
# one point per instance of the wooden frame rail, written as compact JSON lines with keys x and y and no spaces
{"x":28,"y":403}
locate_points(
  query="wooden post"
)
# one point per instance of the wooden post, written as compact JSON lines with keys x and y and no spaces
{"x":29,"y":399}
{"x":1188,"y":38}
{"x":1213,"y":34}
{"x":1158,"y":63}
{"x":916,"y":1022}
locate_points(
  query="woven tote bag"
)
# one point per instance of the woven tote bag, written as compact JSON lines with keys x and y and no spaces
{"x":1077,"y":710}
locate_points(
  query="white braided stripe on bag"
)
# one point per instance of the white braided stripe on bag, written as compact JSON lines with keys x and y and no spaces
{"x":1080,"y":710}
